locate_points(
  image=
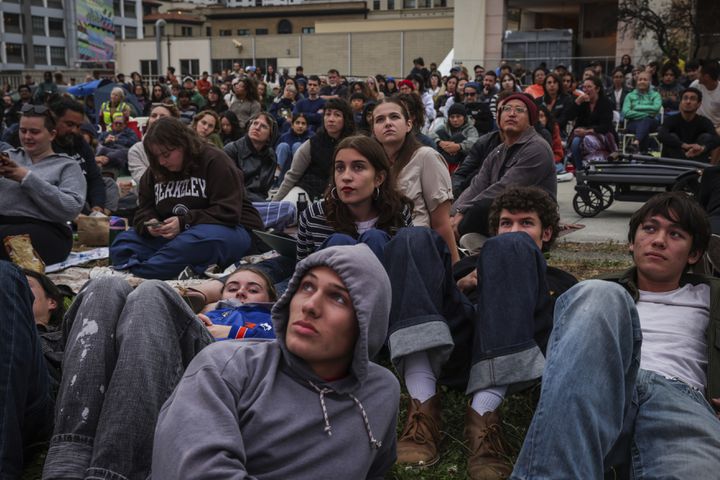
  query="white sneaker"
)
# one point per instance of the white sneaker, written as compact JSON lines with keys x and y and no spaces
{"x":565,"y":177}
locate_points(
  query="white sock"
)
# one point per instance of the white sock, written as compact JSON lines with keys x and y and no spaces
{"x":489,"y":399}
{"x":419,"y":377}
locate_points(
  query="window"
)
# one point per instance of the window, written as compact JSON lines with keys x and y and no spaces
{"x":148,"y":68}
{"x":308,"y":30}
{"x":284,"y":27}
{"x":55,"y":4}
{"x":40,"y":55}
{"x":37,"y":3}
{"x":116,"y":8}
{"x":440,"y":3}
{"x":56,"y":27}
{"x":130,"y":32}
{"x":376,"y":4}
{"x":14,"y":52}
{"x":425,"y":3}
{"x":409,"y":3}
{"x":57,"y":56}
{"x":38,"y":25}
{"x":190,"y":67}
{"x":208,"y":31}
{"x":12,"y":23}
{"x":391,"y":4}
{"x":186,"y":31}
{"x":261,"y":31}
{"x":243,"y":32}
{"x":225,"y":32}
{"x":130,"y":9}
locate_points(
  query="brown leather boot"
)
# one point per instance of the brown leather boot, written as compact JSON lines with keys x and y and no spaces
{"x":420,"y":439}
{"x":489,"y":459}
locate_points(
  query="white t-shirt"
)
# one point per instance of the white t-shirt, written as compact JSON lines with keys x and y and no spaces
{"x":710,"y":105}
{"x":673,"y":327}
{"x":363,"y":227}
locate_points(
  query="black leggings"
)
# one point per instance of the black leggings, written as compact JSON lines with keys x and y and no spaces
{"x":52,"y":241}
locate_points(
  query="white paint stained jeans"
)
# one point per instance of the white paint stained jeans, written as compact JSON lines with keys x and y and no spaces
{"x":126,"y":350}
{"x":598,"y":408}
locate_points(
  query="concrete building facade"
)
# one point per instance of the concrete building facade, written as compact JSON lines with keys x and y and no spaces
{"x":42,"y":35}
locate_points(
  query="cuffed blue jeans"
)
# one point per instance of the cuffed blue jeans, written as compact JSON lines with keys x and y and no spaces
{"x":198,"y":247}
{"x":26,"y":404}
{"x":125,"y":353}
{"x":500,"y":340}
{"x":597,"y":408}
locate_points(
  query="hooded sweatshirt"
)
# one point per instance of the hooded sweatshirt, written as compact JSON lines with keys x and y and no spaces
{"x":251,"y":409}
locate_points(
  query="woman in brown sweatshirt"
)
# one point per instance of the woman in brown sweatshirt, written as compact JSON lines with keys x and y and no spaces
{"x":193,"y":210}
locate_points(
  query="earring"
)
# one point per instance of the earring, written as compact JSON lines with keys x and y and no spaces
{"x":333,"y":194}
{"x":377,"y":193}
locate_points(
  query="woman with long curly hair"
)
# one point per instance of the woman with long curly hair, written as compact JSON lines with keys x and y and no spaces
{"x":361,"y":203}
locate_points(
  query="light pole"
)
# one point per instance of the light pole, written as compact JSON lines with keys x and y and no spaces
{"x":158,"y":39}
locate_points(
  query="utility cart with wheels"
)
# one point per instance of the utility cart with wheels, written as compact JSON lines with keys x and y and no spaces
{"x":632,"y":178}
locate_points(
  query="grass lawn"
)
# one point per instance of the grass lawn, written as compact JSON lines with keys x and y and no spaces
{"x":582,"y":260}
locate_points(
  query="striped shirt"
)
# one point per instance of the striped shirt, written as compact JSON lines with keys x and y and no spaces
{"x":313,"y":228}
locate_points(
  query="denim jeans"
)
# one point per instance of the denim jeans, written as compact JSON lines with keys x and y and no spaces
{"x":576,"y":150}
{"x":642,"y":129}
{"x":285,"y":154}
{"x":374,"y":238}
{"x":125,"y":352}
{"x":597,"y":407}
{"x":26,"y":404}
{"x":198,"y":247}
{"x":499,"y":341}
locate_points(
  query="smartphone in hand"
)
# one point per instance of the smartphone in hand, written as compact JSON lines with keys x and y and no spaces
{"x":153,"y":223}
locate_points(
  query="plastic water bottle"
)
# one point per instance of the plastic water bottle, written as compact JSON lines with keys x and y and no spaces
{"x":301,"y":205}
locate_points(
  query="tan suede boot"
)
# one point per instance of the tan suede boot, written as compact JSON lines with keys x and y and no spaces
{"x":488,"y":458}
{"x":420,"y":440}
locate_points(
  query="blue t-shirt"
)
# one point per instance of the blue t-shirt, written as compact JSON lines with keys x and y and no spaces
{"x":251,"y":320}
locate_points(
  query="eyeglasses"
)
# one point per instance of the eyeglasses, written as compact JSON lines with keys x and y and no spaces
{"x":470,"y":94}
{"x":510,"y":108}
{"x":29,"y":108}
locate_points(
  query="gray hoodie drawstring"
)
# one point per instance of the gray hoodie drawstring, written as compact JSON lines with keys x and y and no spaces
{"x":374,"y":443}
{"x":322,"y":392}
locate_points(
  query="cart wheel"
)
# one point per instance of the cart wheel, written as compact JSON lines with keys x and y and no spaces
{"x":607,"y":195}
{"x":588,"y":201}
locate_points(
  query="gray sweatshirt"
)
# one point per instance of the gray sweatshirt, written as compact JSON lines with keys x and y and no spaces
{"x":253,"y":410}
{"x":527,"y":162}
{"x":53,"y":190}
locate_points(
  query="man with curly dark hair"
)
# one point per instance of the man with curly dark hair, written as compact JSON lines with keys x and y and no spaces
{"x":481,"y":325}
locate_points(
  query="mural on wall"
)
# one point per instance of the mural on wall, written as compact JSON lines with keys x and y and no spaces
{"x":96,"y":32}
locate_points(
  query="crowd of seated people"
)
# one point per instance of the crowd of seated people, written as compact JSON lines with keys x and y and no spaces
{"x":397,"y":184}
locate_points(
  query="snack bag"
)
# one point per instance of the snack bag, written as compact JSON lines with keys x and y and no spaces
{"x":21,"y":252}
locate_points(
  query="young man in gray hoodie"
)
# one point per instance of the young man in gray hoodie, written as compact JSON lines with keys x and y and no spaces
{"x":309,"y":405}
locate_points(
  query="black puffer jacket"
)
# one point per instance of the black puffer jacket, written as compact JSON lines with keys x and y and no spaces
{"x":257,"y":167}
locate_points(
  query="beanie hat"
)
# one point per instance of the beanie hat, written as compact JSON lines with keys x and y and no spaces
{"x":457,"y":109}
{"x":529,"y":103}
{"x":407,"y":83}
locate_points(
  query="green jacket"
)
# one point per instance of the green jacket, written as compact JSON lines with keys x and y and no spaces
{"x":640,"y":105}
{"x":628,"y":280}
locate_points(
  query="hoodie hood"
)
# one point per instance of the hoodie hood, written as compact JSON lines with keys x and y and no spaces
{"x":369,"y":289}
